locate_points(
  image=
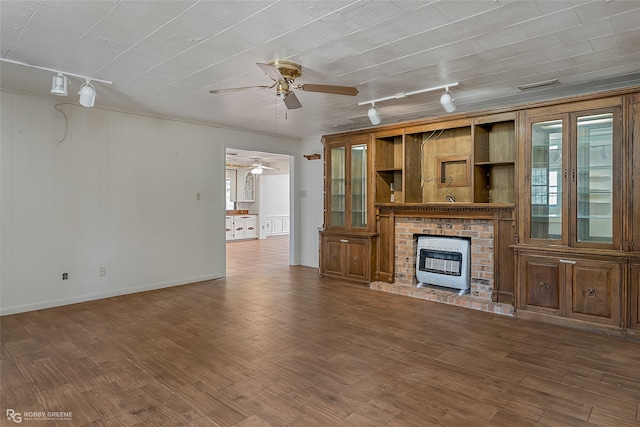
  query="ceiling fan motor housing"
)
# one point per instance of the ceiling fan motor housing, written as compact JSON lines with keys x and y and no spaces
{"x":289,"y":70}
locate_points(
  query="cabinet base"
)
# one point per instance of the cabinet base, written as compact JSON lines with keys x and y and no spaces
{"x":571,"y":323}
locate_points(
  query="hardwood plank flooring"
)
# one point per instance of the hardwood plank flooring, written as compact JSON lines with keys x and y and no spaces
{"x":273,"y":345}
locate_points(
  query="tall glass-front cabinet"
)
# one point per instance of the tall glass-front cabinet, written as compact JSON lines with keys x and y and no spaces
{"x":571,"y":214}
{"x":347,"y":241}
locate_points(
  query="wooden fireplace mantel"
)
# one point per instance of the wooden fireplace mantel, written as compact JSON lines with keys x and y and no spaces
{"x":496,"y":211}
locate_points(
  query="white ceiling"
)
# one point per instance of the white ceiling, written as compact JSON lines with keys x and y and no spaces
{"x":164,"y":57}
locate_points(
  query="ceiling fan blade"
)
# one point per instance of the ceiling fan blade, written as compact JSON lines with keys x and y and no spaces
{"x":336,"y":90}
{"x":291,"y":101}
{"x":271,"y":71}
{"x":237,"y":89}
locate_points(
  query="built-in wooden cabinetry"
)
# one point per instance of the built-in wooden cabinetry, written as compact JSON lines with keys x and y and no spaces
{"x":347,"y":242}
{"x":465,"y":160}
{"x":558,"y":179}
{"x":571,"y":253}
{"x":579,"y":288}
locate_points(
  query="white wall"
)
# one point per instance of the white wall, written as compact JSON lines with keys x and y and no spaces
{"x":118,"y":192}
{"x":274,"y":199}
{"x":309,"y":193}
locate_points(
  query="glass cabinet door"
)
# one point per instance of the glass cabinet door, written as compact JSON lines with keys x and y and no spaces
{"x":594,"y":178}
{"x":359,"y":185}
{"x":575,"y":185}
{"x":338,"y":186}
{"x":546,"y":190}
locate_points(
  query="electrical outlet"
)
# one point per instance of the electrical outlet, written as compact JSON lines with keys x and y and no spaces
{"x":103,"y":271}
{"x":65,"y":276}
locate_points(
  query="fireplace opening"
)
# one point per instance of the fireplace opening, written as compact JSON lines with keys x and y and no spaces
{"x":444,"y":261}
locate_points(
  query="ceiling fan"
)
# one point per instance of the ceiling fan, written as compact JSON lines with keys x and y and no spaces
{"x":256,"y":167}
{"x":283,"y":74}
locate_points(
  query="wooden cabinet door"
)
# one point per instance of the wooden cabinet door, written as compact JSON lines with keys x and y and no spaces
{"x":228,"y":229}
{"x":332,"y":256}
{"x":542,"y":278}
{"x":595,"y":291}
{"x":251,"y":224}
{"x":635,"y":296}
{"x":239,"y":227}
{"x":356,"y":259}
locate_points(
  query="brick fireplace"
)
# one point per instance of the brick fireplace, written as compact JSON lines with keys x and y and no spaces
{"x":407,"y":228}
{"x":480,"y":231}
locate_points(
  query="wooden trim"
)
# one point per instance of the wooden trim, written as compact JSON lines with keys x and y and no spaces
{"x":449,"y":210}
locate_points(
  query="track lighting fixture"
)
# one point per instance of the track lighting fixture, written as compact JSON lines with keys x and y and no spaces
{"x":60,"y":82}
{"x":59,"y":85}
{"x":374,"y":115}
{"x":447,"y":102}
{"x":87,"y":94}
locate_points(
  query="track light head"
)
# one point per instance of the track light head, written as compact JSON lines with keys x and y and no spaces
{"x":87,"y":94}
{"x":374,"y":115}
{"x":59,"y":85}
{"x":447,"y":101}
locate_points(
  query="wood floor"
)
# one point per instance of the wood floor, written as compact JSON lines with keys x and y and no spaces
{"x":278,"y":346}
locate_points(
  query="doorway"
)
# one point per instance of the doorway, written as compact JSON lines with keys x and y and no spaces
{"x":258,"y":208}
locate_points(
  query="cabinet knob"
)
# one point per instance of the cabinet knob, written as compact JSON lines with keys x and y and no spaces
{"x":239,"y":228}
{"x":333,"y":257}
{"x":228,"y":229}
{"x":544,"y":285}
{"x":355,"y":260}
{"x":591,"y":293}
{"x":251,"y":228}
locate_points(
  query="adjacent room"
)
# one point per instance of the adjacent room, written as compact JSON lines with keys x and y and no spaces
{"x":284,"y":213}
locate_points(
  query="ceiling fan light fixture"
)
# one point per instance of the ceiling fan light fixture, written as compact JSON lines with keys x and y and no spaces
{"x":447,"y":101}
{"x":59,"y":85}
{"x":283,"y":89}
{"x":256,"y":170}
{"x":374,"y":115}
{"x":87,"y":94}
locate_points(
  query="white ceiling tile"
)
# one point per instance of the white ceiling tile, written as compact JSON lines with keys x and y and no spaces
{"x":596,"y":10}
{"x":419,"y":20}
{"x":270,"y":23}
{"x":14,"y":15}
{"x":544,"y":42}
{"x":549,"y":7}
{"x":554,"y":66}
{"x":566,"y":51}
{"x":31,"y":46}
{"x":71,"y":15}
{"x":613,"y":40}
{"x":627,"y":21}
{"x":510,"y":14}
{"x":461,"y":9}
{"x":602,"y":27}
{"x":551,"y":23}
{"x":458,"y":49}
{"x":501,"y":37}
